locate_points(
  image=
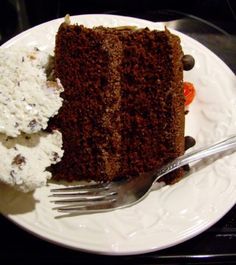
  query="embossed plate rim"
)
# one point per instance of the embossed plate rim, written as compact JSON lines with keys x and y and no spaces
{"x":118,"y":239}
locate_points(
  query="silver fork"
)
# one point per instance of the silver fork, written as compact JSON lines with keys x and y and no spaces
{"x":103,"y":197}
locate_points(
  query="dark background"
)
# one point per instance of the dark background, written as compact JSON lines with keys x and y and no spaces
{"x":17,"y":15}
{"x":213,"y":23}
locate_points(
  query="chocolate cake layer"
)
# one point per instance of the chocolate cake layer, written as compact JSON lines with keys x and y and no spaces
{"x":123,"y":110}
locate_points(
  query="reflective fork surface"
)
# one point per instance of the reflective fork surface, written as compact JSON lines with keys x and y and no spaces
{"x":102,"y":197}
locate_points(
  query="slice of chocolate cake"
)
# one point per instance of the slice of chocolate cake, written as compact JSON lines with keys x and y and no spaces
{"x":123,"y":110}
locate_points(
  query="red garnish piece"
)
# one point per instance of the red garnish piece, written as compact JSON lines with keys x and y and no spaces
{"x":189,"y":93}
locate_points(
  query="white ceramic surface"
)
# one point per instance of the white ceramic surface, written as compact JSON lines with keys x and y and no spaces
{"x":167,"y":216}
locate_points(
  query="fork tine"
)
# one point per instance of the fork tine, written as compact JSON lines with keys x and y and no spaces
{"x":85,"y":208}
{"x":76,"y":192}
{"x":83,"y":187}
{"x":84,"y":198}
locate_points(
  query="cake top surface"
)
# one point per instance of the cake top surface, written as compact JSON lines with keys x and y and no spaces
{"x":27,"y":98}
{"x":27,"y":157}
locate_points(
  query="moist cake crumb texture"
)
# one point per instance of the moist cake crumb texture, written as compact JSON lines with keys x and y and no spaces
{"x":123,"y":109}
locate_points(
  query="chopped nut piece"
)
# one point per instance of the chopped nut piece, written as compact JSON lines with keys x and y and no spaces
{"x":67,"y":19}
{"x":18,"y":160}
{"x":55,"y":156}
{"x":52,"y":84}
{"x":32,"y":124}
{"x":55,"y":85}
{"x":13,"y":173}
{"x":32,"y":56}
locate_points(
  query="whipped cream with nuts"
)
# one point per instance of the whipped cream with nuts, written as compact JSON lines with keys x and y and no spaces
{"x":27,"y":98}
{"x":25,"y":159}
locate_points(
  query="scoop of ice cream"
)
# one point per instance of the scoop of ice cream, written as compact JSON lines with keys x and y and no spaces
{"x":25,"y":159}
{"x":27,"y":98}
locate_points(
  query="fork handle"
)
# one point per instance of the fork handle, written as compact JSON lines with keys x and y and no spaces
{"x":196,"y":155}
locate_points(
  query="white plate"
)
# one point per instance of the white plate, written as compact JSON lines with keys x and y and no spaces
{"x":170,"y":215}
